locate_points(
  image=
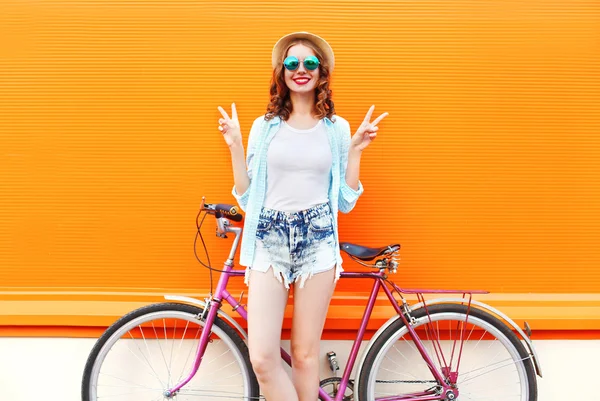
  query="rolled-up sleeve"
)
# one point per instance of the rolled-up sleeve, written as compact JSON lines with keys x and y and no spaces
{"x":242,"y":199}
{"x":347,"y":196}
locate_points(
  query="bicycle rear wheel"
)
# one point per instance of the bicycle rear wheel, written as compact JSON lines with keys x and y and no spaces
{"x":494,"y":365}
{"x":152,"y":349}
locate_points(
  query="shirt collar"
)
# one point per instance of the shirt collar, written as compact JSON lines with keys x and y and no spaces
{"x":277,"y":119}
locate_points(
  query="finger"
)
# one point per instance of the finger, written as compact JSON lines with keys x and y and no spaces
{"x":373,"y":135}
{"x":368,"y":116}
{"x":381,"y":117}
{"x":233,"y":111}
{"x":223,"y":112}
{"x":221,"y":120}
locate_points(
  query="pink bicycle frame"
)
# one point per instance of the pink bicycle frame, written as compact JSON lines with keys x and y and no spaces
{"x":221,"y":294}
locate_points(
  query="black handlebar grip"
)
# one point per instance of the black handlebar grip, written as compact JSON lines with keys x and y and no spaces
{"x":229,"y":211}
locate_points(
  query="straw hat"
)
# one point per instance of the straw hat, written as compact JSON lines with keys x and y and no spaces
{"x":321,"y":43}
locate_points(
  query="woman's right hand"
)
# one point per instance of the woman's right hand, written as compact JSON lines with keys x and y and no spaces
{"x":230,"y":127}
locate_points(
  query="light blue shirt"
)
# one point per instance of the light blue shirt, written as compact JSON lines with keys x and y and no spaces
{"x":341,"y":197}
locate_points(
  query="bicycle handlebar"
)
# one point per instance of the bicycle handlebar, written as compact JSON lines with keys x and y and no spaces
{"x":230,"y":212}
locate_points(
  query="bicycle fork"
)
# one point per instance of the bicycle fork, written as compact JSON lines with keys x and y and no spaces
{"x":208,"y":316}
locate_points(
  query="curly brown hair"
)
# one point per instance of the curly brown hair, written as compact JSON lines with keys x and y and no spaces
{"x":281,"y":105}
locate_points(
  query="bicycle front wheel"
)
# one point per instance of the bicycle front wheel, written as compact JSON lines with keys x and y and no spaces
{"x":153,"y":348}
{"x":493,"y":364}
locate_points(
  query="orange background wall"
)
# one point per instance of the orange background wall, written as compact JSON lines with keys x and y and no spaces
{"x":486,"y":171}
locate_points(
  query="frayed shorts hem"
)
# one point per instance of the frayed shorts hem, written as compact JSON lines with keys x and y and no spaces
{"x":279,"y":273}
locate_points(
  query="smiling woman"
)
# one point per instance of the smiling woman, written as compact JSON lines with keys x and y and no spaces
{"x":302,"y":168}
{"x":302,"y":67}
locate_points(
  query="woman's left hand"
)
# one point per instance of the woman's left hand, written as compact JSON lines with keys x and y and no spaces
{"x":366,"y":133}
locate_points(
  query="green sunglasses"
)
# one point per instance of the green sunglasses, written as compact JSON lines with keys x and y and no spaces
{"x":292,"y":63}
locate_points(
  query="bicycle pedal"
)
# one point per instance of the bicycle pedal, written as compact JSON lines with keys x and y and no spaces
{"x":333,"y":363}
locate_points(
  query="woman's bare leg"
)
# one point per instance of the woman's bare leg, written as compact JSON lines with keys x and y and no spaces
{"x":310,"y":310}
{"x":267,"y":298}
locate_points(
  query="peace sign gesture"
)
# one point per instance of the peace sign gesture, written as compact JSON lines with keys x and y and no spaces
{"x":366,"y":133}
{"x":230,"y":127}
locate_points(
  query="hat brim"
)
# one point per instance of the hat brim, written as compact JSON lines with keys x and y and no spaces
{"x":282,"y":43}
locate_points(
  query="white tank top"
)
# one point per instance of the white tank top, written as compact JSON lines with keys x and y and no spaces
{"x":298,"y":168}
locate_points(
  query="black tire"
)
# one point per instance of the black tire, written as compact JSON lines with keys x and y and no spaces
{"x":226,"y":330}
{"x":394,"y":328}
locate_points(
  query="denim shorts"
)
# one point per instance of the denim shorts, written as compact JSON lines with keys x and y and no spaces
{"x":295,"y":244}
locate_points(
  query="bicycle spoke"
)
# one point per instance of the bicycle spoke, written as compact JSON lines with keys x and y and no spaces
{"x":510,"y":363}
{"x":123,"y":380}
{"x":465,"y":379}
{"x":122,"y":394}
{"x":172,"y":345}
{"x":145,"y":359}
{"x":161,"y":351}
{"x":492,"y":360}
{"x":418,"y":354}
{"x":212,"y":384}
{"x":218,"y":394}
{"x":221,"y":395}
{"x":397,"y":373}
{"x":208,"y":377}
{"x":147,"y":388}
{"x":404,"y":356}
{"x":401,"y":354}
{"x":476,"y":345}
{"x":148,"y":349}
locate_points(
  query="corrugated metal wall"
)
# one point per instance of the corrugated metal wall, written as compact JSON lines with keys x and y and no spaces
{"x":486,"y":171}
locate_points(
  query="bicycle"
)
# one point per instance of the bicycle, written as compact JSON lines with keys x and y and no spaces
{"x":412,"y":357}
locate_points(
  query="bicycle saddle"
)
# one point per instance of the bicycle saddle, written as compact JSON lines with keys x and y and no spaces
{"x":365,"y":253}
